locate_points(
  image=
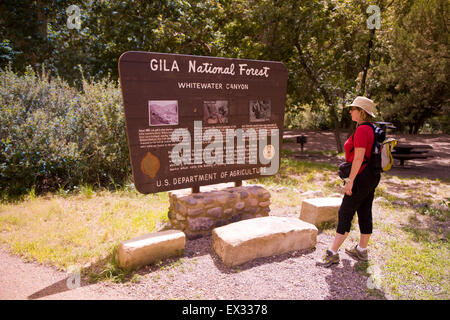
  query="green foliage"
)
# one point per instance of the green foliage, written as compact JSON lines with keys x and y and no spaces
{"x":440,"y":212}
{"x":53,"y":136}
{"x":24,"y":31}
{"x":305,"y":117}
{"x":111,"y":271}
{"x":330,"y":53}
{"x":415,"y":81}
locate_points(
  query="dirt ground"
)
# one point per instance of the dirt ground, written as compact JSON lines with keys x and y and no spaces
{"x":437,"y":166}
{"x":200,"y":274}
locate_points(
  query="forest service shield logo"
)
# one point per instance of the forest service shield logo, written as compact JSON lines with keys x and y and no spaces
{"x":150,"y":165}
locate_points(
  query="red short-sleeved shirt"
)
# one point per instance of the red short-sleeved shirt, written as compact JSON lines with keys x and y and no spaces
{"x":363,"y":138}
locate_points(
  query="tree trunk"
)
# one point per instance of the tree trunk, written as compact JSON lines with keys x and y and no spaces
{"x":325,"y":95}
{"x":337,"y":133}
{"x":362,"y":90}
{"x":346,"y":121}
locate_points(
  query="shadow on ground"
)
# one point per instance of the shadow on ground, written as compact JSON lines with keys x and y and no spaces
{"x":66,"y":284}
{"x":352,"y":282}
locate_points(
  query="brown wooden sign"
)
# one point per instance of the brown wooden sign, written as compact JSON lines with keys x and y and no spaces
{"x":194,"y":120}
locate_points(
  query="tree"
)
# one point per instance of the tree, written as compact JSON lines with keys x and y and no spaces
{"x":415,"y":82}
{"x":38,"y":33}
{"x":24,"y":28}
{"x":322,"y":44}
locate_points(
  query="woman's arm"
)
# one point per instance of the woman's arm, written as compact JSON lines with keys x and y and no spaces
{"x":356,"y":165}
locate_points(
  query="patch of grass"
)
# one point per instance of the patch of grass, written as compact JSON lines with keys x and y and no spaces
{"x":328,"y":225}
{"x":289,"y":197}
{"x":416,"y":234}
{"x":286,"y":153}
{"x":440,"y":212}
{"x":362,"y":267}
{"x":294,"y":172}
{"x":108,"y":270}
{"x":63,"y":193}
{"x":389,"y":229}
{"x":384,"y":191}
{"x":300,"y":167}
{"x":330,"y":153}
{"x":417,"y":271}
{"x":412,"y":250}
{"x":79,"y":228}
{"x":368,"y":269}
{"x":334,"y":184}
{"x":32,"y":194}
{"x":87,"y":191}
{"x":278,"y":179}
{"x":9,"y":220}
{"x":136,"y":278}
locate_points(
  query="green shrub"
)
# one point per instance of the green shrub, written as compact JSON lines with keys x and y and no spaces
{"x":306,"y":117}
{"x":53,"y":136}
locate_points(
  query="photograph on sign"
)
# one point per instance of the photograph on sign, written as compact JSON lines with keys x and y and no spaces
{"x":259,"y":110}
{"x":215,"y":112}
{"x":163,"y":112}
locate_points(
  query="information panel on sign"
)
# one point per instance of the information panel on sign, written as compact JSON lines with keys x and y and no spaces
{"x":194,"y":120}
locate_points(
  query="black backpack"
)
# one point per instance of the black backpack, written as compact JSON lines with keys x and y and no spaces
{"x":375,"y":158}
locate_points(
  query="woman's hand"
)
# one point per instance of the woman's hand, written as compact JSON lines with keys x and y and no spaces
{"x":348,"y":187}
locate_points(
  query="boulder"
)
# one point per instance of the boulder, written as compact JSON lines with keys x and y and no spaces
{"x":246,"y":240}
{"x":320,"y":210}
{"x":150,"y":248}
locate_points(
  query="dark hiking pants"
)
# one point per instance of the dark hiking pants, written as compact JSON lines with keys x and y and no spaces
{"x":360,"y":201}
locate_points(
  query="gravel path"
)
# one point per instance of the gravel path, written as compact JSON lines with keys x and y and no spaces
{"x":21,"y":280}
{"x":198,"y":275}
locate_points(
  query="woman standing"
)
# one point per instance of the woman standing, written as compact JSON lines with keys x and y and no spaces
{"x":360,"y":187}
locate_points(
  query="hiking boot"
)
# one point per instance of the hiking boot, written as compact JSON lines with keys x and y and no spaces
{"x":329,"y":259}
{"x":358,"y":255}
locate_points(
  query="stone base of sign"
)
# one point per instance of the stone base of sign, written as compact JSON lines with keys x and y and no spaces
{"x":320,"y":210}
{"x":244,"y":241}
{"x":197,"y":214}
{"x":151,"y":248}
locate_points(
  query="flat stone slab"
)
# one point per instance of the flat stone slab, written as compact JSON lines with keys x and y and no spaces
{"x":243,"y":241}
{"x":150,"y":248}
{"x":320,"y":210}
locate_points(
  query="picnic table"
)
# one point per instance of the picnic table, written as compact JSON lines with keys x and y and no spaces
{"x":385,"y":125}
{"x":405,"y":151}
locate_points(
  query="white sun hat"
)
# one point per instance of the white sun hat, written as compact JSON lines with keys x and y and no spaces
{"x":364,"y":103}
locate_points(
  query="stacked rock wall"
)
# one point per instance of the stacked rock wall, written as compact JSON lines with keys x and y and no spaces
{"x":196,"y":214}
